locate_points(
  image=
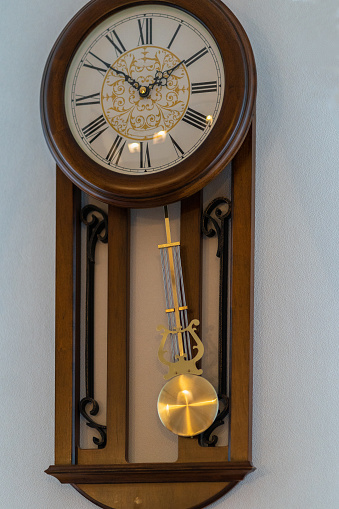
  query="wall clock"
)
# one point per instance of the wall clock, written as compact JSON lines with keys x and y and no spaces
{"x":143,"y":103}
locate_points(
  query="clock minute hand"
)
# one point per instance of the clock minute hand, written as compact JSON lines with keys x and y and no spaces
{"x":161,"y":77}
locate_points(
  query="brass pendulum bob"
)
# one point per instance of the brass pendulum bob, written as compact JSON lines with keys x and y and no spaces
{"x":188,"y":403}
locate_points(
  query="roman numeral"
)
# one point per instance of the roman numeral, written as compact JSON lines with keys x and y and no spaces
{"x":82,"y":100}
{"x":144,"y":156}
{"x":116,"y":150}
{"x":204,"y":86}
{"x":102,"y":70}
{"x":196,"y":57}
{"x":178,"y":149}
{"x":118,"y":46}
{"x":145,"y":29}
{"x":174,"y":36}
{"x":195,"y":119}
{"x":92,"y":130}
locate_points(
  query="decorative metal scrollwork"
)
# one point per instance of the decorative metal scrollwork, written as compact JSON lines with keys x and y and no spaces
{"x":99,"y":442}
{"x":205,"y":439}
{"x":215,"y":221}
{"x":95,"y":220}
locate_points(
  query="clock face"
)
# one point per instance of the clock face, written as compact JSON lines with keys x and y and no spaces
{"x":144,"y":89}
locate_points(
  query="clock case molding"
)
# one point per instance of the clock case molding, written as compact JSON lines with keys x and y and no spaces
{"x":201,"y":474}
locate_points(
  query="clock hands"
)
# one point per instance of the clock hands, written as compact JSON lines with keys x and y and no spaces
{"x":143,"y":91}
{"x":160,"y":78}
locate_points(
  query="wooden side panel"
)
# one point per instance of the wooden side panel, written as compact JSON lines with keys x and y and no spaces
{"x":191,"y":253}
{"x":67,"y":203}
{"x":242,"y":299}
{"x":118,"y":333}
{"x":117,"y":343}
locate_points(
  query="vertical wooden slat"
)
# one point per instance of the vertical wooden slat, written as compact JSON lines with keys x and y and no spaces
{"x":117,"y":343}
{"x":65,"y":321}
{"x":118,"y":333}
{"x":76,"y":321}
{"x":242,"y":298}
{"x":191,"y":253}
{"x":191,"y":257}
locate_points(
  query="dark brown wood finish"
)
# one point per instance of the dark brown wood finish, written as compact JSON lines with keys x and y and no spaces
{"x":117,"y":343}
{"x":188,"y":495}
{"x":197,"y":170}
{"x":66,"y":315}
{"x":243,"y":175}
{"x":152,"y":473}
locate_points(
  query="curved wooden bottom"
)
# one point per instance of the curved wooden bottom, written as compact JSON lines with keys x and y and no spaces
{"x":152,"y":496}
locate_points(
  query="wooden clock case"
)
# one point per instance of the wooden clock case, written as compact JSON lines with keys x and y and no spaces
{"x":201,"y":474}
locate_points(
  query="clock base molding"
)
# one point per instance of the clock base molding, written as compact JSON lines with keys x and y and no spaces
{"x":131,"y":473}
{"x":167,"y":495}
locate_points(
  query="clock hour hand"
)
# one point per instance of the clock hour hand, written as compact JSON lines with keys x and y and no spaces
{"x":129,"y":80}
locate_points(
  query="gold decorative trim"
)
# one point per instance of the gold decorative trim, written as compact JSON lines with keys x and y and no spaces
{"x":172,"y":244}
{"x":171,"y":310}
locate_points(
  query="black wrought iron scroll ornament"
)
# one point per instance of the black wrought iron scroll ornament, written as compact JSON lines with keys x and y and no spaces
{"x":215,"y":221}
{"x":95,"y":220}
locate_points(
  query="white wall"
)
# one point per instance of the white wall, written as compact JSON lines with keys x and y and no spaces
{"x":296,"y":407}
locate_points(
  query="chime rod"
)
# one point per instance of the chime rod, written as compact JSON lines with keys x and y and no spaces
{"x":170,"y":246}
{"x":169,"y":299}
{"x":182,"y":301}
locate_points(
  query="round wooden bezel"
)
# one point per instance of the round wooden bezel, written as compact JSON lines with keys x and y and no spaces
{"x":190,"y":175}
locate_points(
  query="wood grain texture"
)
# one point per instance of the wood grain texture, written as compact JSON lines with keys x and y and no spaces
{"x":242,"y":299}
{"x":65,"y":316}
{"x":117,"y":343}
{"x":151,"y":472}
{"x":154,"y":496}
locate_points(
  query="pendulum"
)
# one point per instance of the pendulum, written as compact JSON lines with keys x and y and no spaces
{"x":188,"y":403}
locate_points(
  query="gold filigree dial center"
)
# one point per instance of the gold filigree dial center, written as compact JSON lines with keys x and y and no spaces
{"x":132,"y":110}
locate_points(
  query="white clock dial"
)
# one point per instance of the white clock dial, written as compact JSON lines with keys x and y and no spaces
{"x":144,"y":89}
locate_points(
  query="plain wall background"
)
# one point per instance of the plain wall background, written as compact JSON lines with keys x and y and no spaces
{"x":296,"y":407}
